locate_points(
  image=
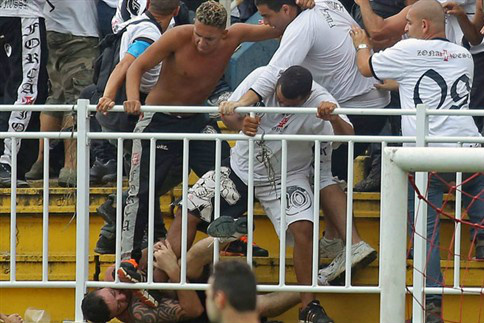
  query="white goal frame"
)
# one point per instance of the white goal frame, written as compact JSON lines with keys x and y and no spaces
{"x":396,"y":163}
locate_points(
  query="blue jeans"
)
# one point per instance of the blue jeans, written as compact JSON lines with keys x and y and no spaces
{"x":475,"y":212}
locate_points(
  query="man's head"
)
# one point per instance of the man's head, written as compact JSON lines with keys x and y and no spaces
{"x":294,"y":86}
{"x":232,"y":287}
{"x":104,"y":304}
{"x":278,"y":13}
{"x":162,"y":9}
{"x":425,"y":20}
{"x":209,"y":28}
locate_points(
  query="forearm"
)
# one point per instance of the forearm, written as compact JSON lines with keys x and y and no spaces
{"x":116,"y":80}
{"x":188,"y":299}
{"x":472,"y":34}
{"x":341,"y":127}
{"x":363,"y":62}
{"x":274,"y":304}
{"x":233,"y":121}
{"x":133,"y":81}
{"x":373,"y":23}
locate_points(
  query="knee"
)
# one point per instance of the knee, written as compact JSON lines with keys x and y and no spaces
{"x":301,"y":230}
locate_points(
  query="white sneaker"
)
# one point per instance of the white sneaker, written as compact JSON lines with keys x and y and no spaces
{"x":362,"y":254}
{"x":330,"y":248}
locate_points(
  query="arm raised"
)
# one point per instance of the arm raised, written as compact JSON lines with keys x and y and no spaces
{"x":253,"y":33}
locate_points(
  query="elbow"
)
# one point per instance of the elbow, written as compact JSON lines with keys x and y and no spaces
{"x":476,"y":40}
{"x":365,"y":70}
{"x":377,"y":34}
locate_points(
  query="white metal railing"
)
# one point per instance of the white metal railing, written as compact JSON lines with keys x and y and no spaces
{"x":389,"y":264}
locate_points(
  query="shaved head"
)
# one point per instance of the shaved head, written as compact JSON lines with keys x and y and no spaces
{"x":426,"y":20}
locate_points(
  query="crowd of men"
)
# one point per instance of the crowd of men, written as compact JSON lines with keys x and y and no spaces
{"x":165,"y":52}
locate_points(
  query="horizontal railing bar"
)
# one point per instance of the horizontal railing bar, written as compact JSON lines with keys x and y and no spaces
{"x":224,"y":136}
{"x":290,"y":110}
{"x":451,"y":290}
{"x":38,"y":284}
{"x":39,"y":135}
{"x":260,"y":287}
{"x":422,"y":159}
{"x":38,"y":107}
{"x":444,"y":139}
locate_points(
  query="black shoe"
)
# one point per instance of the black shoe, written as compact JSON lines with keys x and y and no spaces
{"x":6,"y":177}
{"x":99,"y":170}
{"x":105,"y":246}
{"x":227,"y":227}
{"x":370,"y":183}
{"x":107,"y":211}
{"x":239,"y":248}
{"x":480,"y":249}
{"x":314,"y":313}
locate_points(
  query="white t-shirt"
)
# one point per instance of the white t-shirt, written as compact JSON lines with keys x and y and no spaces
{"x":435,"y":72}
{"x":300,"y":154}
{"x":146,"y":31}
{"x":319,"y":40}
{"x":22,"y":8}
{"x":78,"y":18}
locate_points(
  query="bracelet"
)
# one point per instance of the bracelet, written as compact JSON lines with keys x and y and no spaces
{"x":362,"y":46}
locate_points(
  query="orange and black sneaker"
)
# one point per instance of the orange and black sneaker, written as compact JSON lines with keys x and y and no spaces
{"x":128,"y":272}
{"x":239,"y":248}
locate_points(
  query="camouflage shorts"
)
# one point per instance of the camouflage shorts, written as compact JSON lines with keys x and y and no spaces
{"x":69,"y":67}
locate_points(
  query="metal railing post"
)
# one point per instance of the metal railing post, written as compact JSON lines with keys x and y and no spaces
{"x":420,"y":224}
{"x":82,"y":207}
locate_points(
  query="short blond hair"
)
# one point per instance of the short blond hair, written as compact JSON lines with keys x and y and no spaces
{"x":212,"y":13}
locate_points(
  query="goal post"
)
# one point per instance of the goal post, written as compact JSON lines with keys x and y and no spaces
{"x":396,"y":163}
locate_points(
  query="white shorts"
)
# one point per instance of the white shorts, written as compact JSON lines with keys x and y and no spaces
{"x":299,"y":199}
{"x":325,"y":174}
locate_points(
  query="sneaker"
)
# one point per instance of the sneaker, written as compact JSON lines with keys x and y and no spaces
{"x":67,"y":177}
{"x":239,"y":248}
{"x":480,"y":249}
{"x":362,"y":254}
{"x":370,"y":183}
{"x":99,"y":170}
{"x":36,"y":171}
{"x":314,"y":313}
{"x":6,"y":177}
{"x":330,"y":248}
{"x":227,"y":228}
{"x":128,"y":272}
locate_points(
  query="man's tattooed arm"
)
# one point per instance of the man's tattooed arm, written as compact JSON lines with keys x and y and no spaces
{"x":168,"y":310}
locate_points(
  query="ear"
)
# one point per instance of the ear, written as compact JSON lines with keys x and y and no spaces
{"x":224,"y":33}
{"x":285,"y":8}
{"x":425,"y":26}
{"x":220,"y":299}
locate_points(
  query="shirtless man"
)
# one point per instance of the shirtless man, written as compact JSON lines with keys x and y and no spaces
{"x":194,"y":58}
